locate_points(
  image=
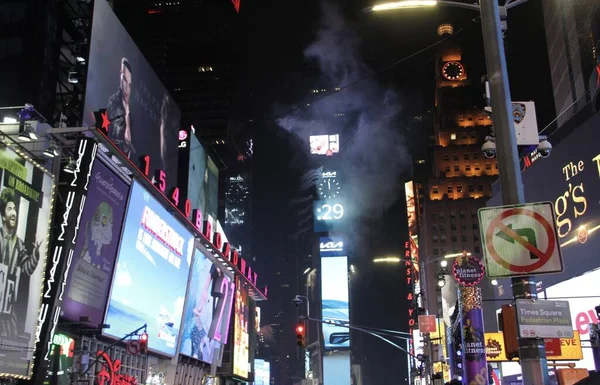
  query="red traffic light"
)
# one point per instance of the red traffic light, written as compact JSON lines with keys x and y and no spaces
{"x":144,"y":337}
{"x":300,"y":329}
{"x":301,"y":335}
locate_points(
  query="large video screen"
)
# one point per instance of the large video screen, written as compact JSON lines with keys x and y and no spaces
{"x":208,"y":310}
{"x":334,"y":294}
{"x":262,"y":372}
{"x":150,"y":280}
{"x":203,"y":185}
{"x":570,"y":179}
{"x":94,"y":255}
{"x":241,"y":344}
{"x":324,"y":144}
{"x":144,"y":119}
{"x":25,"y":207}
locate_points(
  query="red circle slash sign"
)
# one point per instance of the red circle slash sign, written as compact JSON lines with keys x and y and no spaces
{"x":544,"y":256}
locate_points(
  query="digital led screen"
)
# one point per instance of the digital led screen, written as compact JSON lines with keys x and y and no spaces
{"x":25,"y":205}
{"x":413,"y":233}
{"x":203,"y":182}
{"x":151,"y":276}
{"x":324,"y":144}
{"x":570,"y":179}
{"x":95,"y":252}
{"x":334,"y":294}
{"x":328,"y":214}
{"x":208,"y":310}
{"x":144,"y":119}
{"x":262,"y":372}
{"x":241,"y":356}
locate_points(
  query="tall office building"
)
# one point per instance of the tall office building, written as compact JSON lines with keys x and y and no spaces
{"x":572,"y":53}
{"x":460,"y":176}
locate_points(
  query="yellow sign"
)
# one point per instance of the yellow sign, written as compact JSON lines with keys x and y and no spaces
{"x":570,"y":348}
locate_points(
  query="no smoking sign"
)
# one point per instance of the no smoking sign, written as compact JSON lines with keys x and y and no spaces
{"x":520,"y":240}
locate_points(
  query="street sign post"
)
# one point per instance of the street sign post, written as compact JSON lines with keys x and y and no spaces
{"x":520,"y":240}
{"x":544,"y":319}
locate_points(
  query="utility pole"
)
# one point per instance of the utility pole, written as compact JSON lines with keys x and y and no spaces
{"x":532,"y":351}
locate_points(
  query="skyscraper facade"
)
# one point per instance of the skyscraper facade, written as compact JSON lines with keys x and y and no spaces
{"x":460,"y":177}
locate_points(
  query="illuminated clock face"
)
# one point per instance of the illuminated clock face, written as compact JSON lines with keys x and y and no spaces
{"x":328,"y":188}
{"x":453,"y":70}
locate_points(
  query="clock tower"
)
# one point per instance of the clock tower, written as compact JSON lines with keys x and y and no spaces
{"x":460,"y":177}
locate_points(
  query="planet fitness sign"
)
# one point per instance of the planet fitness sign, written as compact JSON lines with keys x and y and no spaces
{"x":468,"y":270}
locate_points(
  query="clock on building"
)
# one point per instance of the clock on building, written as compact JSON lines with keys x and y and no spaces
{"x":328,"y":186}
{"x":453,"y":70}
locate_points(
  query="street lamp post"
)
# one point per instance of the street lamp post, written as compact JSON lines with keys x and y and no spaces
{"x":532,"y":351}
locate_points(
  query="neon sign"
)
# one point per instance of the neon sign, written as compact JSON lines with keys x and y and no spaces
{"x":109,"y":374}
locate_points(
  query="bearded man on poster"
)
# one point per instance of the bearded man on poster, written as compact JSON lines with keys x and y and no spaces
{"x":14,"y":259}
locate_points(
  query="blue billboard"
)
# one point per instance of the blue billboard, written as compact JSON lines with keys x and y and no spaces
{"x":150,"y":280}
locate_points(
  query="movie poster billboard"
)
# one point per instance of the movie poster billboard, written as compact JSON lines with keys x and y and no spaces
{"x":144,"y":119}
{"x":25,"y":208}
{"x":151,"y":276}
{"x":208,"y":310}
{"x":94,"y":256}
{"x":241,"y":356}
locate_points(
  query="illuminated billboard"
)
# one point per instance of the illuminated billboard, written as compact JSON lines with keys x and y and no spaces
{"x":241,"y":343}
{"x":26,"y":195}
{"x":336,"y":315}
{"x":570,"y":179}
{"x":334,"y":294}
{"x":95,"y":252}
{"x":582,"y":307}
{"x":208,"y":310}
{"x":324,"y":144}
{"x":151,"y":277}
{"x":203,"y":180}
{"x":262,"y":372}
{"x":413,"y":233}
{"x":143,"y":118}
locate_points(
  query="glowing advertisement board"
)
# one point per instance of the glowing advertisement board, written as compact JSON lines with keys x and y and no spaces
{"x":150,"y":279}
{"x":570,"y":179}
{"x":143,"y":119}
{"x":96,"y":249}
{"x":324,"y":144}
{"x":26,"y":195}
{"x":208,"y":310}
{"x":334,"y":294}
{"x":262,"y":372}
{"x":241,"y":343}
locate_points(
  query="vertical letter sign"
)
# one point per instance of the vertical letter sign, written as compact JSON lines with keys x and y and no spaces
{"x":72,"y":194}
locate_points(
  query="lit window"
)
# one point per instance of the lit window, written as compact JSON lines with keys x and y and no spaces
{"x":452,"y":136}
{"x":421,"y":161}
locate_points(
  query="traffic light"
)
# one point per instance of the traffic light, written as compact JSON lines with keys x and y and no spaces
{"x":508,"y":325}
{"x":301,"y":334}
{"x":144,"y":343}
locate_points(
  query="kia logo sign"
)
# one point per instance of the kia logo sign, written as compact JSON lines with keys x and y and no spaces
{"x":331,"y":247}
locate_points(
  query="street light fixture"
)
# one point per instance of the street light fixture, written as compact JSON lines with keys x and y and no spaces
{"x":444,"y":263}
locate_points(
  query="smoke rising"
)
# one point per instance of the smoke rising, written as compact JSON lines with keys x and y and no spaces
{"x":372,"y":145}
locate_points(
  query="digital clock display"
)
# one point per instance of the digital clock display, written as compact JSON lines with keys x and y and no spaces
{"x":327,"y":213}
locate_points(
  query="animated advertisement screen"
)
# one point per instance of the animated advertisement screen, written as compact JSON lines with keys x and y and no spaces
{"x":324,"y":144}
{"x":25,"y":206}
{"x":262,"y":372}
{"x":151,"y":277}
{"x":94,"y":256}
{"x":208,"y":310}
{"x":334,"y":292}
{"x":144,"y":119}
{"x":241,"y":357}
{"x":570,"y":179}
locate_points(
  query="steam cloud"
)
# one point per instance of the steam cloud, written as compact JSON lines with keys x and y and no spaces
{"x":372,"y":144}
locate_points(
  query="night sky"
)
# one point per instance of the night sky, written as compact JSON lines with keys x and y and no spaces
{"x":275,"y":76}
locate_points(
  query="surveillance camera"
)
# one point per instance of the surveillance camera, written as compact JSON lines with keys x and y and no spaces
{"x":489,"y":147}
{"x":545,"y":147}
{"x":297,"y":301}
